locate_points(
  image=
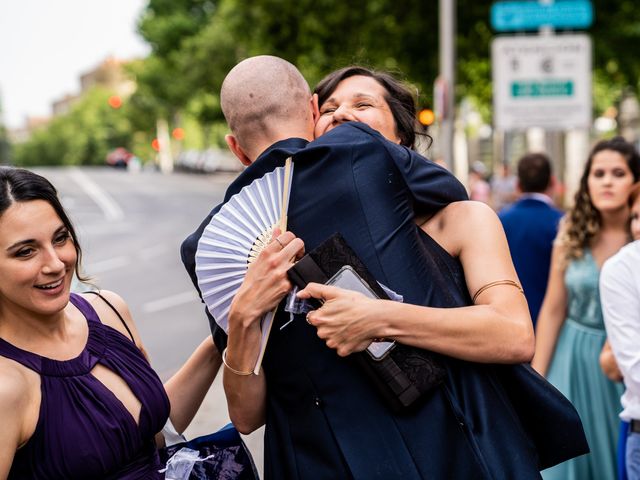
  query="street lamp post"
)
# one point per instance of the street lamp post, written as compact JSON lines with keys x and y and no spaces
{"x":447,"y":78}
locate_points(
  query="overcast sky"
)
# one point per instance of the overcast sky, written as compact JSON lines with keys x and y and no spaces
{"x":46,"y":44}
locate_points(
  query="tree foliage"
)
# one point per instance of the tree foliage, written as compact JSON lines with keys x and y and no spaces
{"x":4,"y":142}
{"x":84,"y":136}
{"x":322,"y":35}
{"x":196,"y":42}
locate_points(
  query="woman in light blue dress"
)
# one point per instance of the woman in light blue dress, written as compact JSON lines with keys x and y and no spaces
{"x":570,"y":330}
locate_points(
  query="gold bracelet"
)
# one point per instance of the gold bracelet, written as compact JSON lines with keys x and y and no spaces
{"x":231,"y":369}
{"x":493,"y":284}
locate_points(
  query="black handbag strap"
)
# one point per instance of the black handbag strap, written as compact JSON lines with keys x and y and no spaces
{"x":115,"y":311}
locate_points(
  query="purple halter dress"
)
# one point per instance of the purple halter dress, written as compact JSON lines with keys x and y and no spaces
{"x":84,"y":431}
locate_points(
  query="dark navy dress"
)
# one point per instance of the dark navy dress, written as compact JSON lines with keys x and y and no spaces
{"x":326,"y":421}
{"x":84,"y":431}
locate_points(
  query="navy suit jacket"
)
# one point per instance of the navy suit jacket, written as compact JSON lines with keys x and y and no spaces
{"x":531,"y":226}
{"x":353,"y":181}
{"x":324,"y":417}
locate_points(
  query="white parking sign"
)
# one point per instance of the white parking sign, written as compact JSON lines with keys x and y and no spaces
{"x":541,"y":81}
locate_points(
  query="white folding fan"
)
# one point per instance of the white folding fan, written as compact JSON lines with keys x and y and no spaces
{"x":235,"y":237}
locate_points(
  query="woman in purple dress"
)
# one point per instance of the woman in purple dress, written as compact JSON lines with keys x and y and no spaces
{"x":78,"y":398}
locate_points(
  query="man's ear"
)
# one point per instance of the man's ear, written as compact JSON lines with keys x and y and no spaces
{"x":315,"y":109}
{"x":234,"y":146}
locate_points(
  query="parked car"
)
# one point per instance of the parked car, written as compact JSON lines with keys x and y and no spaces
{"x":119,"y":158}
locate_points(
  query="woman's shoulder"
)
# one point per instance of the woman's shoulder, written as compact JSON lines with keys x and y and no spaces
{"x":467,"y":207}
{"x":463,"y":215}
{"x":116,"y":300}
{"x":459,"y":222}
{"x":116,"y":317}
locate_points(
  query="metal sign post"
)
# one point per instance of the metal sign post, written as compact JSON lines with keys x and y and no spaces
{"x":447,"y":79}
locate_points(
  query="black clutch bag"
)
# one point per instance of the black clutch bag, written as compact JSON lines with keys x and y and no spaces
{"x":402,"y":374}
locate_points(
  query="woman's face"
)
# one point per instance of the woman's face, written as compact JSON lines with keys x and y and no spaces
{"x":635,"y":219}
{"x":37,"y":259}
{"x":609,"y":181}
{"x":359,"y":99}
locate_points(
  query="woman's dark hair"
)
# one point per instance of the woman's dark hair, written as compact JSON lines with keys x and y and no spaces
{"x":583,"y":220}
{"x":20,"y":185}
{"x":634,"y":194}
{"x":401,"y":101}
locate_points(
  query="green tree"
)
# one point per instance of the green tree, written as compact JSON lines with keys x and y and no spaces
{"x":5,"y":147}
{"x":83,"y":136}
{"x":162,"y":91}
{"x":321,"y":35}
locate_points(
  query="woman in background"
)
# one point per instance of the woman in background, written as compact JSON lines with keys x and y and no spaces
{"x":570,"y":331}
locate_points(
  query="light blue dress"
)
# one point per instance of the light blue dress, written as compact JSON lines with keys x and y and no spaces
{"x":575,"y":371}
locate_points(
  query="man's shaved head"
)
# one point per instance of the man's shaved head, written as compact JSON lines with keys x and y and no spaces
{"x":262,"y":93}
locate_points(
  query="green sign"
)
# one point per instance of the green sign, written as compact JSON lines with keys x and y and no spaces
{"x":542,"y":89}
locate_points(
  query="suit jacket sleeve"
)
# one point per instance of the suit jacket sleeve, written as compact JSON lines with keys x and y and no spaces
{"x":431,"y":186}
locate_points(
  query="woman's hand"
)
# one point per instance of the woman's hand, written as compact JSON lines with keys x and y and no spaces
{"x":264,"y":285}
{"x":266,"y":281}
{"x":608,"y":363}
{"x":346,"y":319}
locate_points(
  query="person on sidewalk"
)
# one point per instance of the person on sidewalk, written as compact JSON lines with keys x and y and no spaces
{"x":620,"y":297}
{"x":570,"y":333}
{"x":323,"y":417}
{"x":78,"y":397}
{"x":531,"y":224}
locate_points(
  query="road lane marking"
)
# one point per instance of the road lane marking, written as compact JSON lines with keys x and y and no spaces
{"x":170,"y":302}
{"x":108,"y":264}
{"x":154,"y":251}
{"x":112,"y":211}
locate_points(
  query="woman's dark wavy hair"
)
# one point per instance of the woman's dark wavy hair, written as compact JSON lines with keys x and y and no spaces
{"x":583,"y":221}
{"x":20,"y":185}
{"x":398,"y":96}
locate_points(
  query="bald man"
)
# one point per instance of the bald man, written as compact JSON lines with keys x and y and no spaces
{"x":324,"y":418}
{"x":271,"y":113}
{"x":265,"y":100}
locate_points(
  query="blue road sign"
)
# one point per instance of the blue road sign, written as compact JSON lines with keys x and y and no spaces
{"x":511,"y":16}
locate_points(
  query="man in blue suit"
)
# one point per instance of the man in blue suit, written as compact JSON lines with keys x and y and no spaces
{"x":324,"y":418}
{"x":531,"y":225}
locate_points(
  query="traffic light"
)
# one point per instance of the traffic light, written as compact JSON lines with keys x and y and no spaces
{"x":426,"y":117}
{"x":178,"y":133}
{"x":115,"y":101}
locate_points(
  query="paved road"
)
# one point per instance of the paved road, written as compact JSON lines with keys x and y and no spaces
{"x":130,"y":227}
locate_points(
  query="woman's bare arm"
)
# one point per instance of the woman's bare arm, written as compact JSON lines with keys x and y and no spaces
{"x":187,"y":388}
{"x":265,"y":284}
{"x":496,"y":329}
{"x":552,"y":313}
{"x":14,"y":404}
